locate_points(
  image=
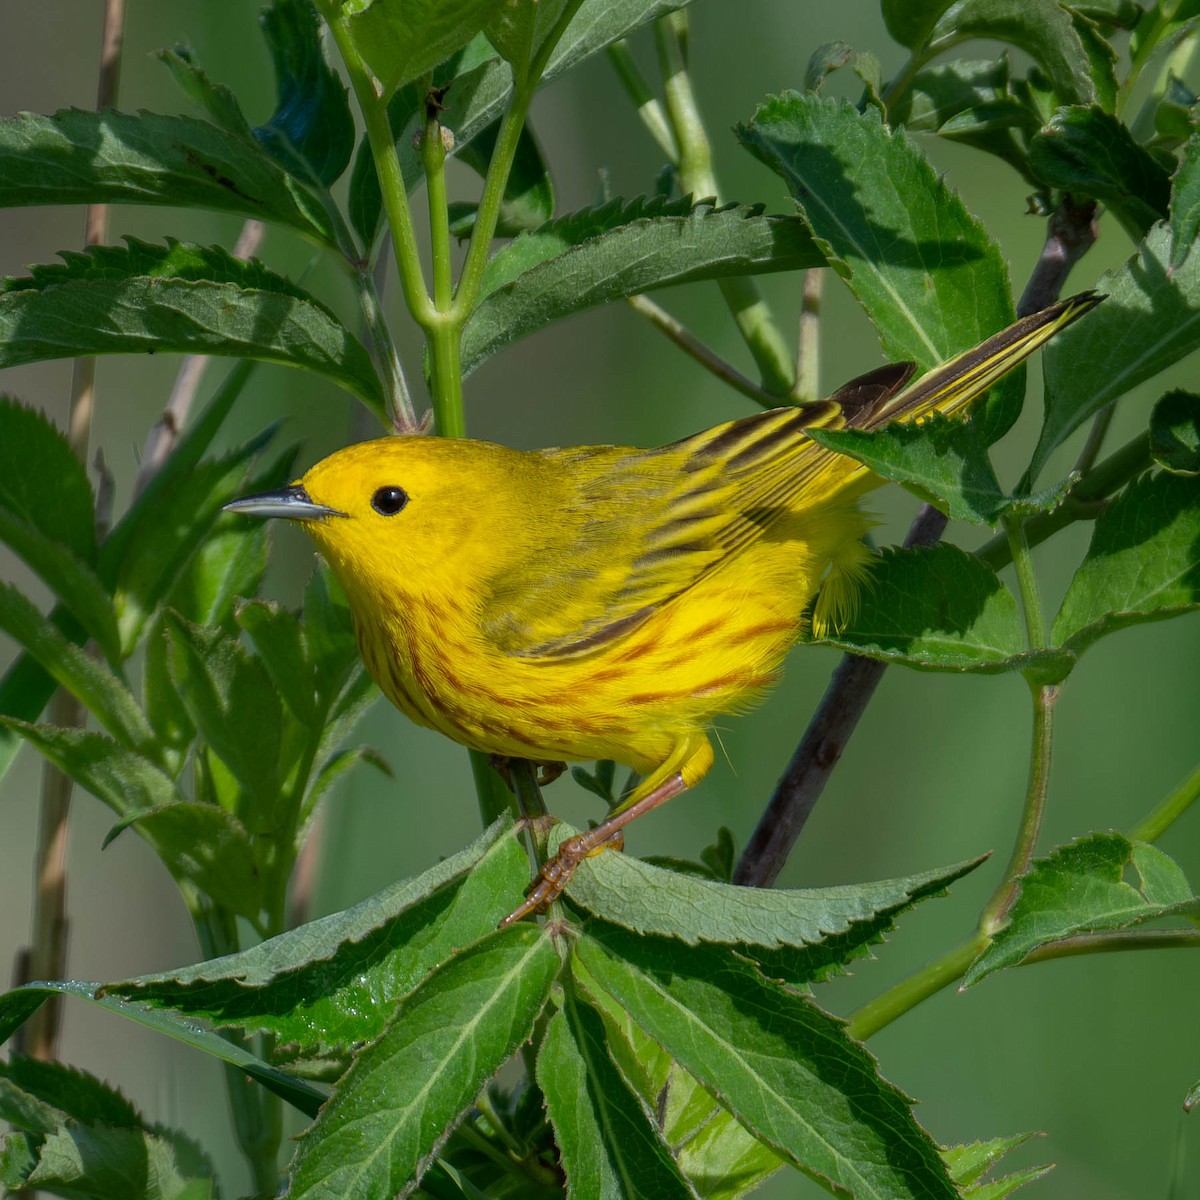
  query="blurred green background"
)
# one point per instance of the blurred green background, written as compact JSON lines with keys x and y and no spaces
{"x":1096,"y":1052}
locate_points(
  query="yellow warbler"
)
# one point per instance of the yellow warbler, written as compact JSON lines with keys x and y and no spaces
{"x":606,"y":602}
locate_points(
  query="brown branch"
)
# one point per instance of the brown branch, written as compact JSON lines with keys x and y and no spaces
{"x":47,"y":955}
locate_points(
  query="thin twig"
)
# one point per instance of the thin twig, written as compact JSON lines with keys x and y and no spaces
{"x":46,"y":958}
{"x":690,"y":344}
{"x":1070,"y":233}
{"x":808,"y":341}
{"x":164,"y":434}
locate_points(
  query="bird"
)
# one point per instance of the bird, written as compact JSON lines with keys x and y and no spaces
{"x":608,"y":602}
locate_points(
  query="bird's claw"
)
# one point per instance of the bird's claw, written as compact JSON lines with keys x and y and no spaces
{"x":557,"y":872}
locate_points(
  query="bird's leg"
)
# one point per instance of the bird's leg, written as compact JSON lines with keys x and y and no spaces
{"x":547,"y":772}
{"x":556,"y":874}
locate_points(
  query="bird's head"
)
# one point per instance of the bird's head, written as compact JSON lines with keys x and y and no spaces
{"x":408,"y":514}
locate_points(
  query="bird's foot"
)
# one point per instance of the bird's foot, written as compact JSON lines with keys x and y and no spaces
{"x":557,"y":872}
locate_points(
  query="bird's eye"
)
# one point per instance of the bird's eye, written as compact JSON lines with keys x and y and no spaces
{"x":388,"y":501}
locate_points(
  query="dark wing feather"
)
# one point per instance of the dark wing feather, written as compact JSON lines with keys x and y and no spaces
{"x":638,"y":527}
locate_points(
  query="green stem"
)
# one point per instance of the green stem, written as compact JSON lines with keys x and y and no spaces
{"x":1095,"y":439}
{"x":908,"y":993}
{"x":1152,"y":826}
{"x":483,"y":1102}
{"x":433,"y":158}
{"x":1083,"y":502}
{"x":494,"y":798}
{"x":387,"y":166}
{"x":648,"y":107}
{"x":995,"y":912}
{"x":900,"y":83}
{"x":750,"y":311}
{"x":488,"y":213}
{"x":704,"y":355}
{"x":1018,"y":544}
{"x":399,"y":400}
{"x":444,"y":332}
{"x":1121,"y":939}
{"x":257,"y":1114}
{"x":503,"y":153}
{"x":808,"y":342}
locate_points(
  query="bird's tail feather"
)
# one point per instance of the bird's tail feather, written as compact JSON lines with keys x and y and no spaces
{"x":951,"y":386}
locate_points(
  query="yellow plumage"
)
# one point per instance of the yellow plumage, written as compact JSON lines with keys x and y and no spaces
{"x":608,"y":602}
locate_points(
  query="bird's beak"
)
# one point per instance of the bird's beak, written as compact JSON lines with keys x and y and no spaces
{"x":291,"y":502}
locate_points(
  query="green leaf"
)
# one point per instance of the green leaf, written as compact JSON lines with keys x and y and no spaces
{"x":164,"y":707}
{"x":1150,"y":320}
{"x":944,"y":90}
{"x":1079,"y":888}
{"x":401,"y":40}
{"x":95,"y":686}
{"x":227,"y":564}
{"x":311,"y":132}
{"x":528,"y":194}
{"x":1101,"y":59}
{"x":1143,"y":563}
{"x":911,"y":22}
{"x":825,"y":59}
{"x":77,"y":157}
{"x":1088,"y":152}
{"x":125,"y":780}
{"x":938,"y":609}
{"x":600,"y":255}
{"x":217,"y":100}
{"x":1162,"y":23}
{"x":720,"y":1158}
{"x":802,"y":967}
{"x":47,"y":517}
{"x":653,"y":900}
{"x":608,"y":1146}
{"x":43,"y":482}
{"x":277,"y":638}
{"x":403,"y":1093}
{"x":210,"y":848}
{"x":233,"y":703}
{"x":940,"y":460}
{"x":109,"y":1163}
{"x":786,"y":1069}
{"x":969,"y":1164}
{"x":179,"y":299}
{"x":87,"y":1136}
{"x":73,"y":1093}
{"x":71,"y":579}
{"x":146,"y":566}
{"x":1121,"y":14}
{"x":19,"y":1004}
{"x":519,"y":30}
{"x":334,"y":982}
{"x":1042,"y":28}
{"x":1175,"y":432}
{"x":1185,"y":201}
{"x":337,"y":765}
{"x":924,"y":269}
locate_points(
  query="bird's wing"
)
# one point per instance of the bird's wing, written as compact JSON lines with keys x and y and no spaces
{"x":636,"y":528}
